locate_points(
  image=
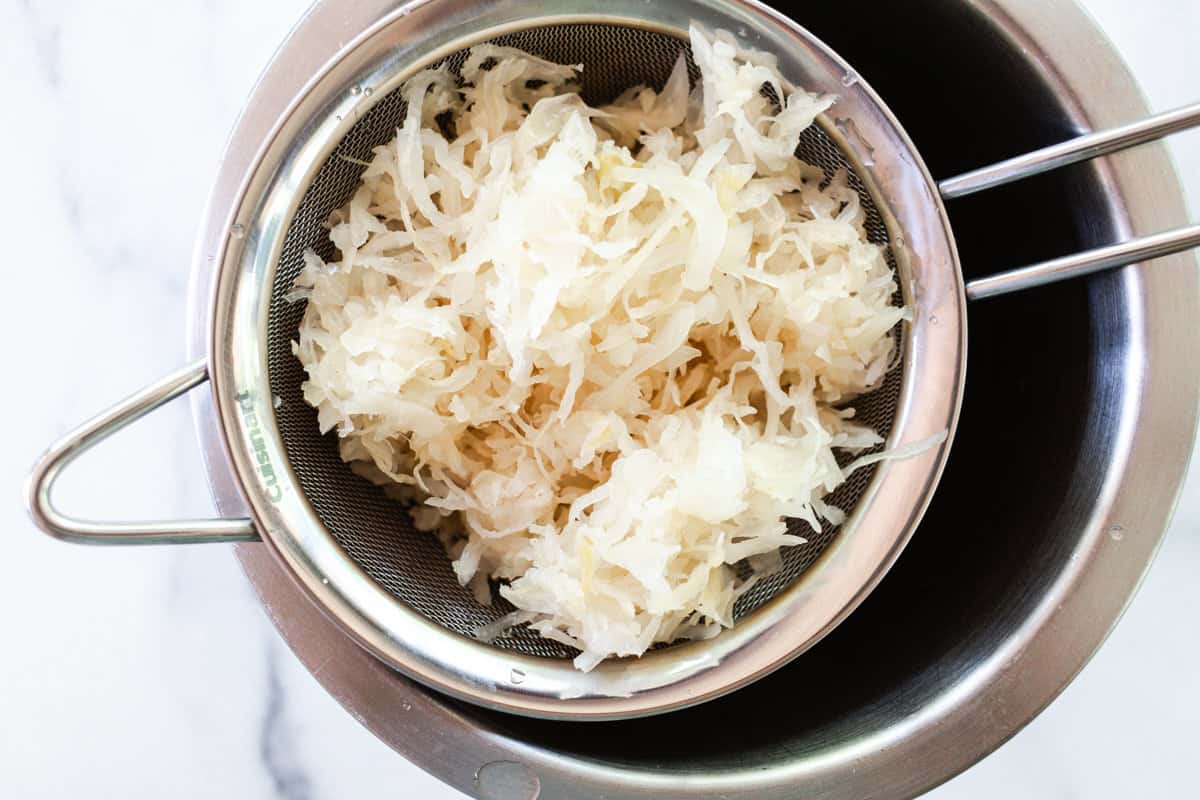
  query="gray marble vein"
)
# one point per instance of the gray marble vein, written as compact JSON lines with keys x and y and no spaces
{"x":276,"y":744}
{"x":47,"y":39}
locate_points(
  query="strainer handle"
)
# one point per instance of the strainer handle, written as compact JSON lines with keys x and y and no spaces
{"x":1072,"y":151}
{"x":96,"y":430}
{"x":1121,"y":254}
{"x":1081,"y":148}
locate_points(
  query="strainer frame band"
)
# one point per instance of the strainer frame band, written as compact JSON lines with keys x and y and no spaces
{"x":934,"y":356}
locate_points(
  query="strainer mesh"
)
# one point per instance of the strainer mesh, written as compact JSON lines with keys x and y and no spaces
{"x":375,"y":530}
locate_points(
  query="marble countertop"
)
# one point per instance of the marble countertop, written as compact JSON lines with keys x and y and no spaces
{"x":154,"y":673}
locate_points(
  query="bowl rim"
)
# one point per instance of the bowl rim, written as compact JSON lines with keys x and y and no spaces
{"x":1028,"y":670}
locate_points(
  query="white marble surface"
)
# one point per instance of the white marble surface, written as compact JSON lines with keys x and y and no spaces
{"x":153,"y":673}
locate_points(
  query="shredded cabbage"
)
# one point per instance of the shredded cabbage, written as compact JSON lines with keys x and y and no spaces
{"x":604,"y":351}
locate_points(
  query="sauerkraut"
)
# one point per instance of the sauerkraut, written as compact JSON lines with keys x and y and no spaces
{"x":604,"y":352}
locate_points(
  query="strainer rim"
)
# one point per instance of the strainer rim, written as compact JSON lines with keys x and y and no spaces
{"x":235,"y":373}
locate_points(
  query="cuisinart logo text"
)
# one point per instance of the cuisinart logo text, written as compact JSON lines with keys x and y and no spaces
{"x":254,"y":428}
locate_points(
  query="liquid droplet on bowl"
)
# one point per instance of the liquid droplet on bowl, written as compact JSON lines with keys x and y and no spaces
{"x":237,"y":230}
{"x":368,"y":91}
{"x":849,"y":79}
{"x":862,"y":147}
{"x":517,"y":676}
{"x":1117,"y":532}
{"x":356,"y":90}
{"x":507,"y":780}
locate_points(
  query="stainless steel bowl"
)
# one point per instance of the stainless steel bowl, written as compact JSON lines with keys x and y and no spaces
{"x":1016,"y":575}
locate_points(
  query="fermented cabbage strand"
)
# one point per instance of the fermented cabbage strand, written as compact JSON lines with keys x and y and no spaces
{"x":603,"y":352}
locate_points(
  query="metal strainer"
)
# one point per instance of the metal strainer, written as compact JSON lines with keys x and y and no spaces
{"x":354,"y":550}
